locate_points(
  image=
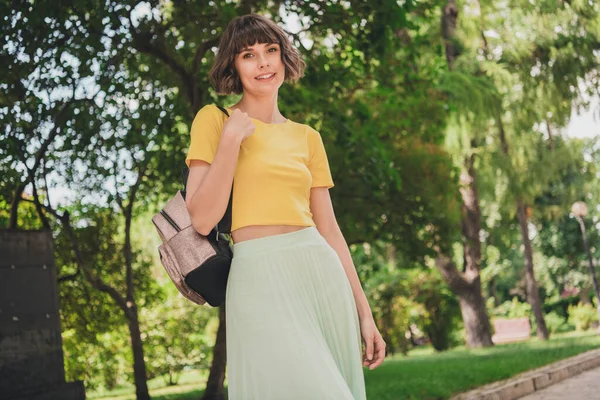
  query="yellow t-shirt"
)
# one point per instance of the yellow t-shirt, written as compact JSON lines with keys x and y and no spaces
{"x":277,"y":166}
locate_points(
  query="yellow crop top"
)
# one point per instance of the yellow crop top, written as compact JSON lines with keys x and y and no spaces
{"x":277,"y":165}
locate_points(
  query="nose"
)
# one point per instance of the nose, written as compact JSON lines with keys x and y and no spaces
{"x":263,"y":62}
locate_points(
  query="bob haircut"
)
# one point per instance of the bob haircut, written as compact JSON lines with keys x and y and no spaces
{"x":244,"y":31}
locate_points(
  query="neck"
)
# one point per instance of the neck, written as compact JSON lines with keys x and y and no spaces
{"x":263,"y":108}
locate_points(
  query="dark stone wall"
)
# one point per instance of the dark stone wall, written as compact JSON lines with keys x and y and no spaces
{"x":31,"y":356}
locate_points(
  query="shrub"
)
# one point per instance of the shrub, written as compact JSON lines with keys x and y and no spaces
{"x":555,"y":323}
{"x":561,"y":306}
{"x":442,"y":312}
{"x":512,"y":309}
{"x":582,"y":316}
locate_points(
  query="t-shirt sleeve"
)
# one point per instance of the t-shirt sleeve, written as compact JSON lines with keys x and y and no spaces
{"x":205,"y":134}
{"x":317,"y":161}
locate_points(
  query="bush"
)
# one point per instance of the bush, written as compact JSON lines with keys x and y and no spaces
{"x":561,"y":306}
{"x":512,"y":309}
{"x":442,"y":313}
{"x":582,"y":316}
{"x":555,"y":323}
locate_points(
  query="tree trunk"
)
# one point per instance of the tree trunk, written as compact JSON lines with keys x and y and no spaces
{"x":584,"y":295}
{"x":533,"y":295}
{"x":493,"y":292}
{"x":472,"y":303}
{"x":471,"y":217}
{"x":14,"y":207}
{"x":468,"y":285}
{"x":131,"y":310}
{"x":139,"y":365}
{"x":475,"y":318}
{"x":591,"y":261}
{"x":214,"y":386}
{"x":449,"y":18}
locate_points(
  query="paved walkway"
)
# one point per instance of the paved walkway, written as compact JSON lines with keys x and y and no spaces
{"x":584,"y":386}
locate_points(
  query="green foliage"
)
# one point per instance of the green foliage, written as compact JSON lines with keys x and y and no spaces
{"x":469,"y":94}
{"x":556,"y":323}
{"x":110,"y":92}
{"x":102,"y":363}
{"x":386,"y":287}
{"x":407,"y":301}
{"x":512,"y":309}
{"x":583,"y":316}
{"x":179,"y":336}
{"x":561,"y":307}
{"x":441,"y":311}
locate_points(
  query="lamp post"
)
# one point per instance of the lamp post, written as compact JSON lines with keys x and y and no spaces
{"x":579,"y":209}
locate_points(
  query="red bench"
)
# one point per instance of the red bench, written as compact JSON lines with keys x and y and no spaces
{"x":511,"y":329}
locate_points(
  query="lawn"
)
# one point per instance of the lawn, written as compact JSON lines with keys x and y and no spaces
{"x":424,"y":374}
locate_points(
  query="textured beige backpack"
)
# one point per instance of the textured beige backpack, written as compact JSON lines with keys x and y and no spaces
{"x":198,"y":265}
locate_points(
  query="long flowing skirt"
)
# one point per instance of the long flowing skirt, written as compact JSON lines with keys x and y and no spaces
{"x":292,"y":325}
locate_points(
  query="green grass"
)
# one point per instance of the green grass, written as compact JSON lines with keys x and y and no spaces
{"x":187,"y":388}
{"x":423,"y":374}
{"x":427,"y":376}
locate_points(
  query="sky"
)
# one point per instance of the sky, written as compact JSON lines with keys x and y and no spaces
{"x":586,"y":124}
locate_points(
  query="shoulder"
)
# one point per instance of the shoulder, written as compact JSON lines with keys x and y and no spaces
{"x":209,"y":111}
{"x":209,"y":116}
{"x":310,"y":132}
{"x":313,"y":137}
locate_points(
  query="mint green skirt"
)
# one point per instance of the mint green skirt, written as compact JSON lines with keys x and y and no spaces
{"x":291,"y":322}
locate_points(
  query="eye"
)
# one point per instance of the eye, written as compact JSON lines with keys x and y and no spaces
{"x":275,"y":49}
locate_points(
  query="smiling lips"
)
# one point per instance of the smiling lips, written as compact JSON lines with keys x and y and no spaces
{"x":266,"y":77}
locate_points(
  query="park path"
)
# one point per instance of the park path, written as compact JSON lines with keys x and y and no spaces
{"x":583,"y":386}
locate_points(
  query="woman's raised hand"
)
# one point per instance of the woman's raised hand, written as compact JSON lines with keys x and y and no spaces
{"x":239,"y":124}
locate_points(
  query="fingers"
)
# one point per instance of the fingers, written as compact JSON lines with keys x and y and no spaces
{"x":369,"y":348}
{"x":240,"y":124}
{"x":379,"y":356}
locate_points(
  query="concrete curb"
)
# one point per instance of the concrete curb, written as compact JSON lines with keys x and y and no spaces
{"x":534,"y":380}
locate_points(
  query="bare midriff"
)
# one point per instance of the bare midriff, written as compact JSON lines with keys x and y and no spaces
{"x":258,"y":231}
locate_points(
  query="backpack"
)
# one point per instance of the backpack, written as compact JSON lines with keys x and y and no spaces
{"x":198,"y":265}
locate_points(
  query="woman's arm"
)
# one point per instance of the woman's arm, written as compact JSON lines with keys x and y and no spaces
{"x":324,"y":217}
{"x":209,"y":186}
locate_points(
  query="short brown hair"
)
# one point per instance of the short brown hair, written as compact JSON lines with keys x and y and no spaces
{"x":244,"y":31}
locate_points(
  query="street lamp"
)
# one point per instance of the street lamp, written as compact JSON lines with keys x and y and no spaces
{"x":579,"y":209}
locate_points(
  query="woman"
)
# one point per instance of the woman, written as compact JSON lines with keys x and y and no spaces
{"x":295,"y":309}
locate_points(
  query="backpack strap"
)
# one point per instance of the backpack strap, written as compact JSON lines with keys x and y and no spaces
{"x":223,"y":226}
{"x":224,"y":110}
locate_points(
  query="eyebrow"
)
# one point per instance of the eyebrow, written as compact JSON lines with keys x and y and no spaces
{"x":251,"y":48}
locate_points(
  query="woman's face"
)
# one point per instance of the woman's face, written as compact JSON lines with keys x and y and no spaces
{"x":260,"y":60}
